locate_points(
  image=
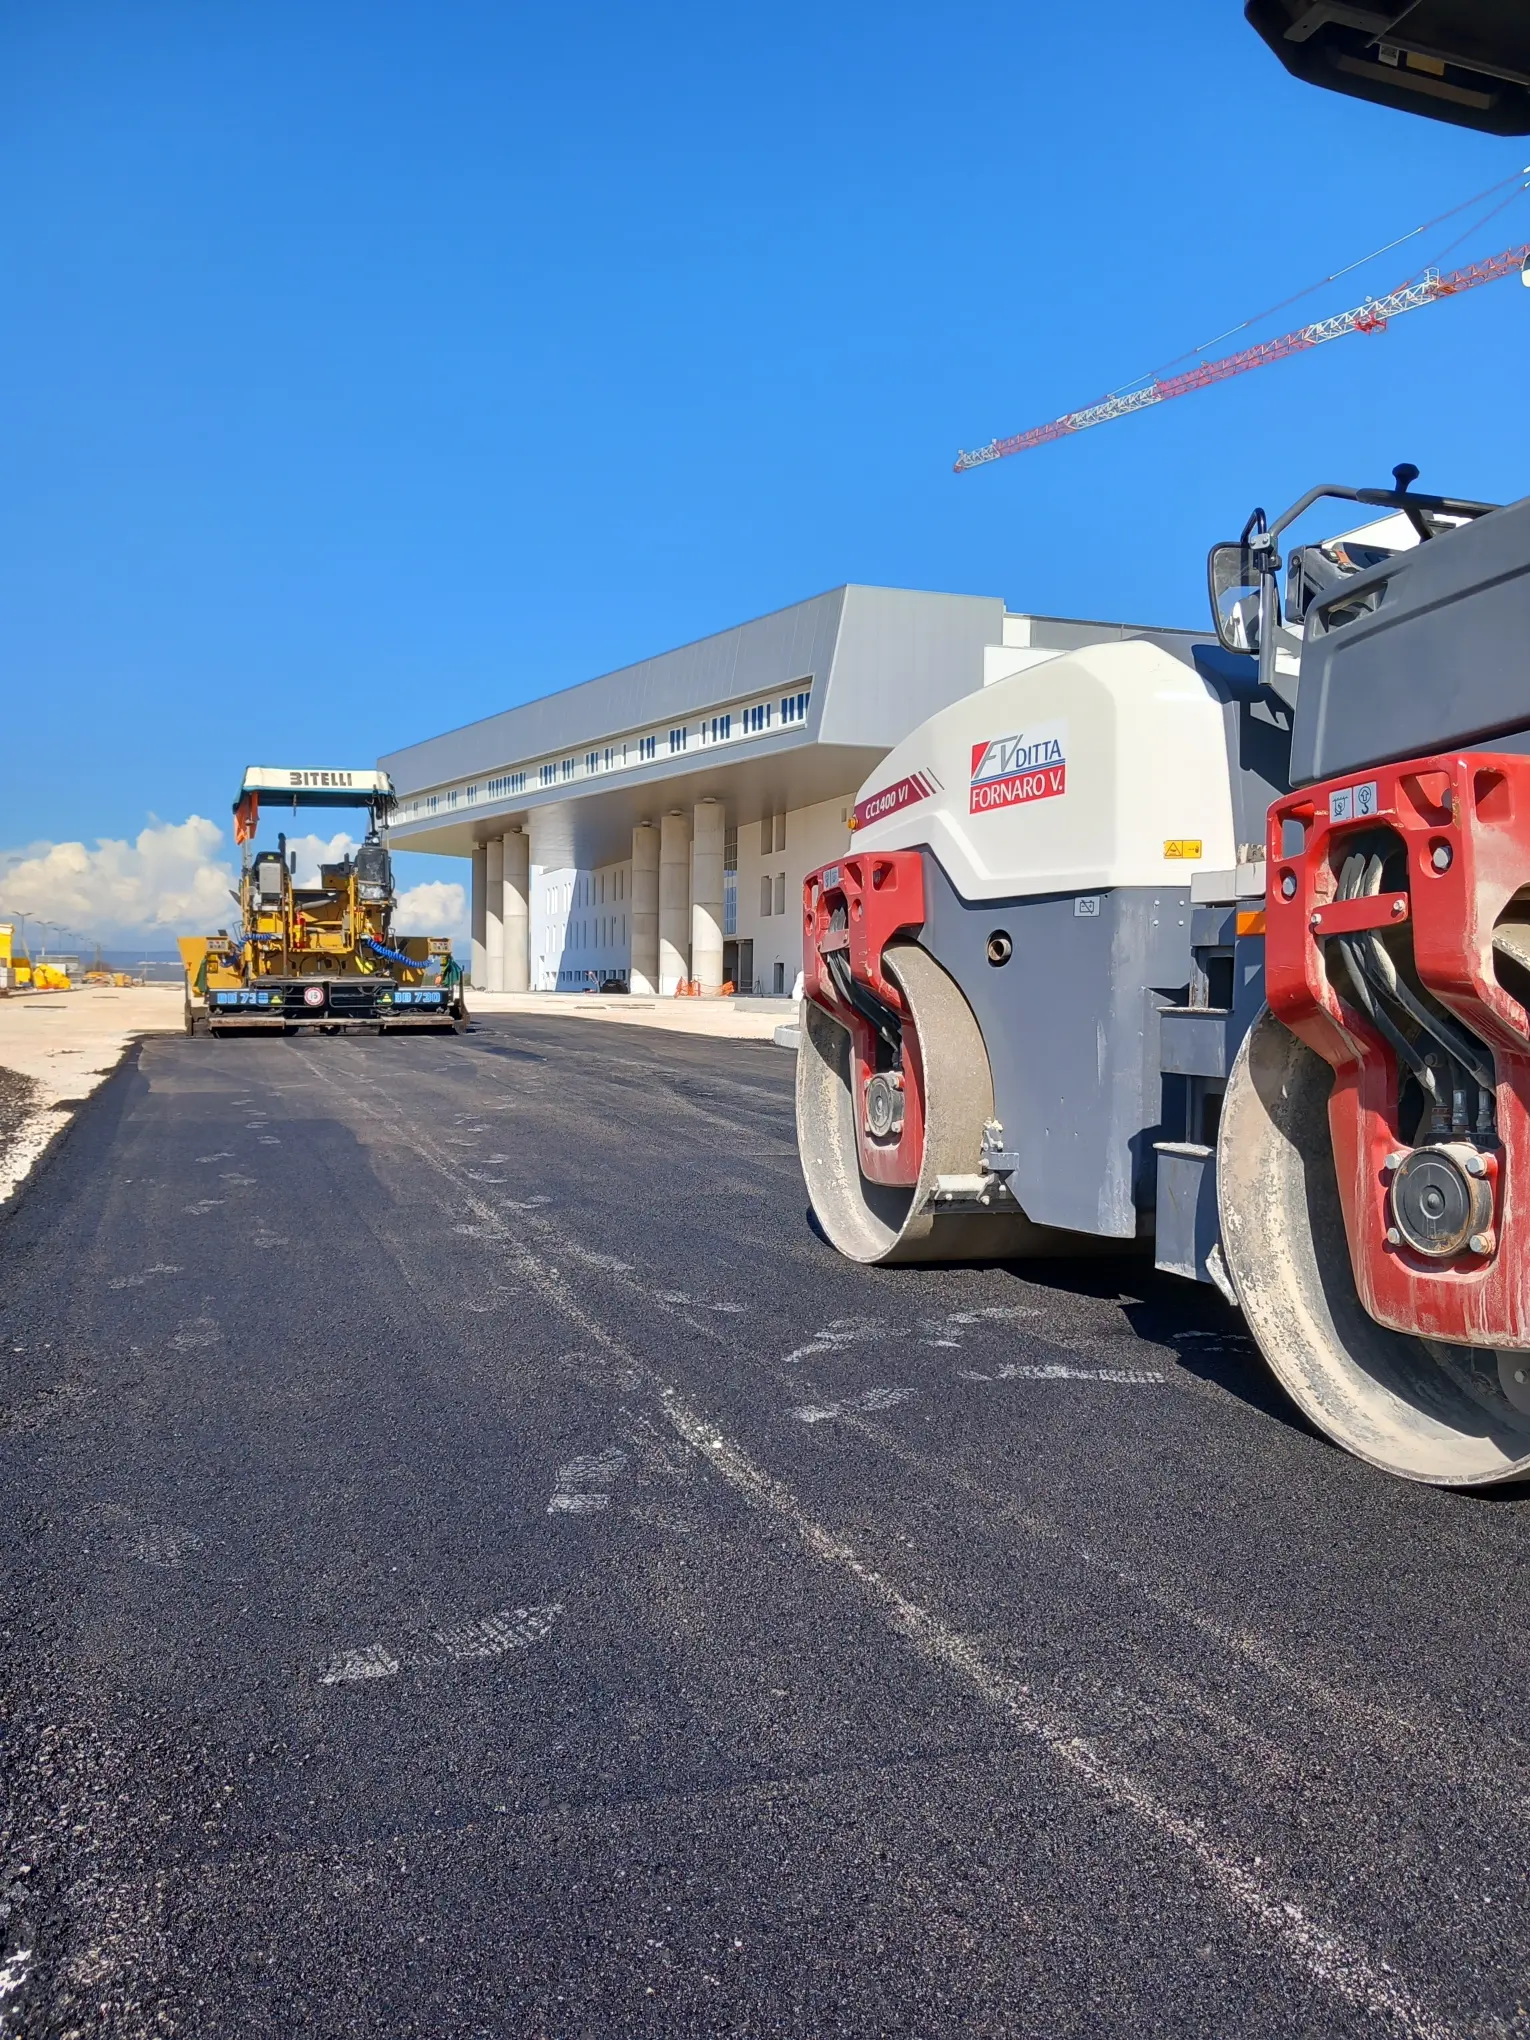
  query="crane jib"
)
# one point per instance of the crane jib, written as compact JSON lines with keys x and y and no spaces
{"x":1370,"y":317}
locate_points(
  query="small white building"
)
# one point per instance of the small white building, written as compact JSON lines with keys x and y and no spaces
{"x":656,"y":824}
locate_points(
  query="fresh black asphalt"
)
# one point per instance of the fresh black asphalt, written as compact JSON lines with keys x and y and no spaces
{"x":477,"y":1564}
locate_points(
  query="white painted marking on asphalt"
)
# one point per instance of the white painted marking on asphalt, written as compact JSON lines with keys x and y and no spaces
{"x":497,"y":1298}
{"x":1055,"y":1370}
{"x":200,"y":1332}
{"x":832,"y":1338}
{"x":869,"y":1400}
{"x":269,"y":1140}
{"x":481,"y":1636}
{"x":14,"y":1971}
{"x":952,"y":1329}
{"x":223,"y":1155}
{"x":202,"y":1206}
{"x":581,"y":1483}
{"x":1326,"y":1955}
{"x":138,"y":1281}
{"x":592,"y":1468}
{"x":494,"y":1635}
{"x":370,"y":1662}
{"x":228,"y":1176}
{"x":678,"y":1296}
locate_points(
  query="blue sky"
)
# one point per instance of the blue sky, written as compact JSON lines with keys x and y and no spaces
{"x":365,"y":369}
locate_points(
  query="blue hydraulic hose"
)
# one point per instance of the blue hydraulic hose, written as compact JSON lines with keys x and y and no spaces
{"x":389,"y":955}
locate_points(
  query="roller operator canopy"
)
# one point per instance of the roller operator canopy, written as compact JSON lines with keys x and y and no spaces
{"x":1463,"y":61}
{"x":313,"y":786}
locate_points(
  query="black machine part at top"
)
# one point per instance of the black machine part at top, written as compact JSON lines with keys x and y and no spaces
{"x":374,"y":871}
{"x":1417,"y":653}
{"x":1421,"y":653}
{"x":1462,"y":61}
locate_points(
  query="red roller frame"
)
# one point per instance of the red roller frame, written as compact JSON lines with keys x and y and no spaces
{"x":1475,"y":806}
{"x":882,"y":894}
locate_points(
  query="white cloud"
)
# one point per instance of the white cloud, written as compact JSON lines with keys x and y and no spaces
{"x":312,"y":851}
{"x":170,"y":880}
{"x":173,"y":879}
{"x":436,"y":908}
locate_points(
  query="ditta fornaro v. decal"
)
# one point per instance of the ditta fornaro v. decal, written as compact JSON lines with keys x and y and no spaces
{"x":1032,"y":765}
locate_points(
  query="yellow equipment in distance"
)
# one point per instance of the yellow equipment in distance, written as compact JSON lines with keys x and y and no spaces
{"x":18,"y":973}
{"x":321,"y":956}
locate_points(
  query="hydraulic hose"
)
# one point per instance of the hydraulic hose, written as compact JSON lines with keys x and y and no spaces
{"x":1372,"y":970}
{"x":389,"y":955}
{"x":882,"y":1017}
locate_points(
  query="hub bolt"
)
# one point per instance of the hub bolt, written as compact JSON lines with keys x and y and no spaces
{"x":1475,"y":1166}
{"x":1394,"y":1160}
{"x":1481,"y":1243}
{"x":1439,"y":857}
{"x":1288,"y":885}
{"x":1394,"y":1237}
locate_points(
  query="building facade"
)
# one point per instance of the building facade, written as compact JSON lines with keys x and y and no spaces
{"x":653,"y":826}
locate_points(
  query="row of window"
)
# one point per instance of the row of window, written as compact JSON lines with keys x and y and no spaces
{"x":589,"y":889}
{"x":601,"y":931}
{"x":753,"y":721}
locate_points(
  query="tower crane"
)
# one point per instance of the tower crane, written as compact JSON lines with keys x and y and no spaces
{"x":1371,"y":317}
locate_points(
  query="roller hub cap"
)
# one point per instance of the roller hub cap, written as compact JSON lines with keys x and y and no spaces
{"x":1437,"y":1208}
{"x":884,"y":1105}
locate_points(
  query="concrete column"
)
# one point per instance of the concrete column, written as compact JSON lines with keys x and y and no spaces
{"x":643,"y":909}
{"x":477,"y":975}
{"x":516,"y":911}
{"x":707,"y":895}
{"x":494,"y":916}
{"x":674,"y":900}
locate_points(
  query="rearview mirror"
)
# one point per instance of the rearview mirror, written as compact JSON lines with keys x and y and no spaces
{"x":1235,"y":596}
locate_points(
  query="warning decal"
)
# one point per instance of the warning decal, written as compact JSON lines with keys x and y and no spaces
{"x":1033,"y":765}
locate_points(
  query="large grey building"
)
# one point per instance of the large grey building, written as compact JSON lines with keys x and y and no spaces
{"x":654,"y":825}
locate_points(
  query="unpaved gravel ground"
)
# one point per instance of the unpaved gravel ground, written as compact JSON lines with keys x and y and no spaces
{"x":55,"y":1048}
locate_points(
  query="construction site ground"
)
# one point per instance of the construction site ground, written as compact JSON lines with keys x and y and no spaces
{"x":56,"y":1047}
{"x":475,"y":1563}
{"x":714,"y":1018}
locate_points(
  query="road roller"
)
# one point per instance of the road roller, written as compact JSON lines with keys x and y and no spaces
{"x":1217,"y":948}
{"x":318,"y":957}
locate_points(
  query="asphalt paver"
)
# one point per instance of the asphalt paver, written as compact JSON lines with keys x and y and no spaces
{"x":478,"y":1564}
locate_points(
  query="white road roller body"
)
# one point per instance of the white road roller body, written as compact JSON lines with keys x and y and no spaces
{"x":1051,"y":1006}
